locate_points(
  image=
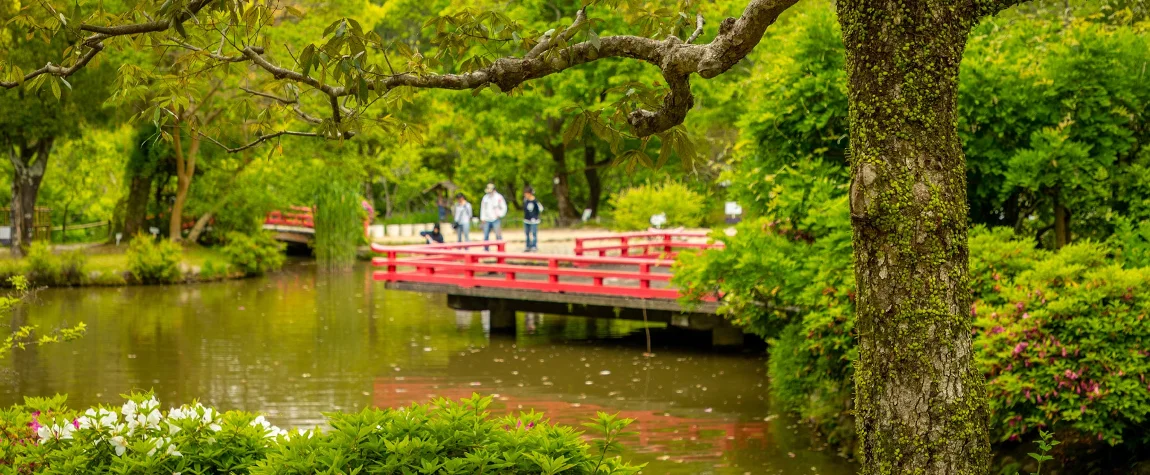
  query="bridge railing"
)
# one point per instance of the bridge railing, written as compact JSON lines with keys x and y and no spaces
{"x":467,"y":266}
{"x":644,"y":244}
{"x":301,"y":217}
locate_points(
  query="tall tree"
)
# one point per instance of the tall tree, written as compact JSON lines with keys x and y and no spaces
{"x":921,"y":407}
{"x":920,"y":402}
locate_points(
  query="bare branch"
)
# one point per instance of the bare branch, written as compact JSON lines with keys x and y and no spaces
{"x":261,"y":139}
{"x":547,"y":40}
{"x":698,"y":28}
{"x":58,"y":71}
{"x":289,"y":102}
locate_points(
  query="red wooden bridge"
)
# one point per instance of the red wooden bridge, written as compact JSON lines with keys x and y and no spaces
{"x":613,"y":276}
{"x":296,"y":225}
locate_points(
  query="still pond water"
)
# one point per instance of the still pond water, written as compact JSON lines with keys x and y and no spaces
{"x":302,"y":342}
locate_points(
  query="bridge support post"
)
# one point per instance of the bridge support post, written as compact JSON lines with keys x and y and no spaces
{"x":502,"y":317}
{"x":726,"y":335}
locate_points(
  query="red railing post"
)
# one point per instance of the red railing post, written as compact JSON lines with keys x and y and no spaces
{"x":469,"y":272}
{"x":626,"y":250}
{"x":579,"y":247}
{"x":501,"y":248}
{"x":391,"y":255}
{"x":553,"y":264}
{"x":667,"y":243}
{"x":645,"y":269}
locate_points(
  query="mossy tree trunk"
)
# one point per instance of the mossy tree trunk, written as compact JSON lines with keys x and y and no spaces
{"x":920,"y":402}
{"x":29,"y":164}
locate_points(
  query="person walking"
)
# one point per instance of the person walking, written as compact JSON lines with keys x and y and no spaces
{"x":491,"y":212}
{"x":531,"y":211}
{"x":462,"y":219}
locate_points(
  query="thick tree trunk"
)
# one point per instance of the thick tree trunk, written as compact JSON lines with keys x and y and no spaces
{"x":28,"y":165}
{"x":1061,"y":222}
{"x":591,"y":173}
{"x":136,"y":209}
{"x":920,"y":402}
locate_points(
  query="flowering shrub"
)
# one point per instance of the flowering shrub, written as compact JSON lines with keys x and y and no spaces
{"x":1068,"y":347}
{"x":1062,"y":337}
{"x":43,"y":436}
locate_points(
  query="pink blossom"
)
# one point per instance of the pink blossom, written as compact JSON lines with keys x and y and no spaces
{"x":1026,"y":315}
{"x":1019,"y":347}
{"x":1019,"y":306}
{"x":1083,"y":408}
{"x":997,"y":330}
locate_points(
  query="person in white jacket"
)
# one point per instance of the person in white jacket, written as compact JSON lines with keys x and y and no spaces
{"x":491,"y":212}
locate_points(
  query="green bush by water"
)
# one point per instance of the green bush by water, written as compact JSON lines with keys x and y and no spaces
{"x":45,"y":268}
{"x":153,"y":261}
{"x":443,"y":437}
{"x":635,"y":206}
{"x":254,"y":254}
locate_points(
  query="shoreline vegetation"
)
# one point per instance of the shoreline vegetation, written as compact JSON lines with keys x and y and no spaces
{"x":143,"y":261}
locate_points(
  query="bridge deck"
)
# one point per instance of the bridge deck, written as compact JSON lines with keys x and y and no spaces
{"x":638,"y":277}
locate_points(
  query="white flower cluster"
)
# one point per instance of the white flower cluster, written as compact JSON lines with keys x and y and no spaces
{"x":144,"y":421}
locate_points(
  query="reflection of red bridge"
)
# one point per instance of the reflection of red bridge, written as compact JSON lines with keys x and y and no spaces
{"x":296,"y":225}
{"x":657,"y":431}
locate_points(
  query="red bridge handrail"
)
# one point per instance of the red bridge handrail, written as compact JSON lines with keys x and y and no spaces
{"x":463,"y":265}
{"x":665,"y":244}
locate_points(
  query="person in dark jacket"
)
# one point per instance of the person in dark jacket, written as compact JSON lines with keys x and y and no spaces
{"x":531,"y":211}
{"x":433,"y":236}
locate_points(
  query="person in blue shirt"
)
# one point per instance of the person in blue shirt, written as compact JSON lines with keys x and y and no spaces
{"x":531,"y":211}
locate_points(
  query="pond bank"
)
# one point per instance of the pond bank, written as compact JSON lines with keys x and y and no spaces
{"x":107,"y":265}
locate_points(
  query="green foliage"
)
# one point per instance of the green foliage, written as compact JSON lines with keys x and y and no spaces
{"x":26,"y":336}
{"x":45,"y":268}
{"x":449,"y":437}
{"x":153,"y":261}
{"x":213,"y":271}
{"x":339,"y":218}
{"x":1063,"y":345}
{"x":635,"y":206}
{"x":254,"y":254}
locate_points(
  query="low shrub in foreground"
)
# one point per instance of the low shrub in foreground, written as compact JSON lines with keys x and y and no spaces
{"x":43,"y":436}
{"x":154,"y":261}
{"x":255,"y":254}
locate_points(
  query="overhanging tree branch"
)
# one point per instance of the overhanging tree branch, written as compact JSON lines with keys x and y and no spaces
{"x":675,"y":58}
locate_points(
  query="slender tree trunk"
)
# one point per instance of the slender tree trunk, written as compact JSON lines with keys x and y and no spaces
{"x":64,"y":229}
{"x":386,"y":199}
{"x":202,"y":223}
{"x":28,"y":165}
{"x":1061,"y":222}
{"x":565,"y":210}
{"x":185,"y":170}
{"x":136,"y":209}
{"x":920,"y":402}
{"x":591,"y":173}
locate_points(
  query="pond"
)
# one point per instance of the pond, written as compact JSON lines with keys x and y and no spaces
{"x":301,"y":342}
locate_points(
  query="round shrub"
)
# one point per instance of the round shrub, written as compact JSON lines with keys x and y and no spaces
{"x":152,"y":261}
{"x":635,"y":206}
{"x":254,"y":254}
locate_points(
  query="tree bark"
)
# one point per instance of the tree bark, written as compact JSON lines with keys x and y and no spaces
{"x":185,"y":170}
{"x":591,"y":173}
{"x":565,"y":210}
{"x":28,"y":164}
{"x":920,"y":402}
{"x":1061,"y":222}
{"x":136,"y":209}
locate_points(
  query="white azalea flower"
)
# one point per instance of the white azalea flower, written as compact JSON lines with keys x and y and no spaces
{"x":119,"y":444}
{"x":215,"y":427}
{"x":129,"y":409}
{"x":177,"y":413}
{"x":44,"y":433}
{"x":65,"y":432}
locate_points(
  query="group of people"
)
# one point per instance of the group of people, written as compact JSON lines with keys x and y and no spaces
{"x":492,"y":210}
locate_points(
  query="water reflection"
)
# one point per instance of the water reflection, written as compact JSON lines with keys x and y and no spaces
{"x":300,"y":343}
